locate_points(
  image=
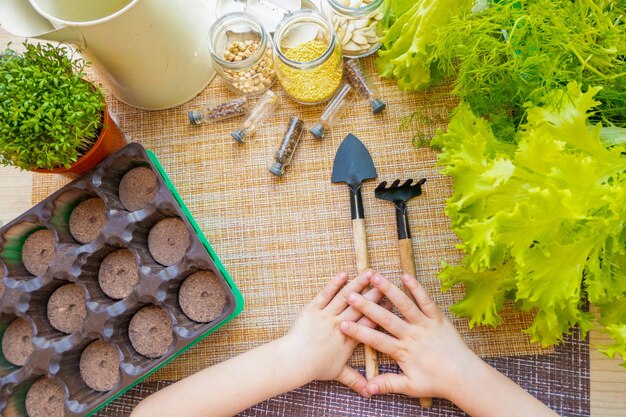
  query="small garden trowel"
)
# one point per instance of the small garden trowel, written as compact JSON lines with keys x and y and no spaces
{"x":353,"y":165}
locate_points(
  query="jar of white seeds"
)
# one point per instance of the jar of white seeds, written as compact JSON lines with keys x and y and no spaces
{"x":356,"y":24}
{"x":241,"y":51}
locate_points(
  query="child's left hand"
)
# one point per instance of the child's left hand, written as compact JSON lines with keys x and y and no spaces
{"x":321,"y":348}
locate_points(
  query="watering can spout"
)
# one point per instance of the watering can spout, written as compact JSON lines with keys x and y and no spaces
{"x":21,"y":19}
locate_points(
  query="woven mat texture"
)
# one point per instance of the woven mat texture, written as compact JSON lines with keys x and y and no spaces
{"x":282,"y":238}
{"x":560,"y":380}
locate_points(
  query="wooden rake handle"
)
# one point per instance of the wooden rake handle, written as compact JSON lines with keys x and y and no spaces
{"x":407,"y":261}
{"x":362,"y":263}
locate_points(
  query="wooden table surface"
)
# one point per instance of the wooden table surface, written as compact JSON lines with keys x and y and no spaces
{"x":608,"y":378}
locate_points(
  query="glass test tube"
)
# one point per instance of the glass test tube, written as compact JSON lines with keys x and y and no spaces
{"x":334,"y":110}
{"x":219,"y":111}
{"x":366,"y":89}
{"x":291,"y":139}
{"x":265,"y":107}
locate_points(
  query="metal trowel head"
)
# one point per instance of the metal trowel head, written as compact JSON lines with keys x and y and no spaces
{"x":353,"y":163}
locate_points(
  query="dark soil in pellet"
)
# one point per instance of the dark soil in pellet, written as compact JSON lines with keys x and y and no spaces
{"x":66,"y":308}
{"x":168,"y":241}
{"x":137,"y":188}
{"x":118,"y":274}
{"x":202,"y":297}
{"x":87,"y":220}
{"x":1,"y":281}
{"x":45,"y":399}
{"x":150,"y":331}
{"x":16,"y":342}
{"x":38,"y":252}
{"x":100,"y":366}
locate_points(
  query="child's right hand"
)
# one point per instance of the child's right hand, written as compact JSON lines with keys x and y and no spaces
{"x":428,"y":348}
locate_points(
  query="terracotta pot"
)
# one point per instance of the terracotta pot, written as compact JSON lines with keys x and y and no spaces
{"x":111,"y":139}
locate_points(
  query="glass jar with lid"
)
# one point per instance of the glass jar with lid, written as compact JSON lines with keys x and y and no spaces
{"x":307,"y":57}
{"x":241,"y":51}
{"x":356,"y":24}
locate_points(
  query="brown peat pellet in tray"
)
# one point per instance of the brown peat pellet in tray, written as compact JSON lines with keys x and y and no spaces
{"x":87,"y":220}
{"x":202,"y":297}
{"x":45,"y":399}
{"x":100,"y":366}
{"x":137,"y":188}
{"x":17,"y":342}
{"x":150,"y":331}
{"x":95,"y":290}
{"x":168,"y":241}
{"x":38,"y":252}
{"x":118,"y":274}
{"x":66,"y":308}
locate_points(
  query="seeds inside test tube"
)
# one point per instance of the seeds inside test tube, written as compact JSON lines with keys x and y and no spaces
{"x":220,"y":111}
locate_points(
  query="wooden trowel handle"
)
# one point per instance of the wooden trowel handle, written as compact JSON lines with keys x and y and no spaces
{"x":362,"y":263}
{"x":407,"y":260}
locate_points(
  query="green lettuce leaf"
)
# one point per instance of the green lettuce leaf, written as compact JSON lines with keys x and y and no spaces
{"x":542,"y":222}
{"x":410,"y":31}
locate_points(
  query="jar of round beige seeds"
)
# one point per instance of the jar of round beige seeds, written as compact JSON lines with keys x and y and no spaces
{"x":241,"y":51}
{"x":356,"y":24}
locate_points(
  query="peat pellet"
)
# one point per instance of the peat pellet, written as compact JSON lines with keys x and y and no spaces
{"x":100,"y":366}
{"x":168,"y":241}
{"x":137,"y":188}
{"x":202,"y":297}
{"x":45,"y":398}
{"x":38,"y":252}
{"x":16,"y":342}
{"x":150,"y":331}
{"x":87,"y":220}
{"x":66,"y":308}
{"x":1,"y":281}
{"x":118,"y":274}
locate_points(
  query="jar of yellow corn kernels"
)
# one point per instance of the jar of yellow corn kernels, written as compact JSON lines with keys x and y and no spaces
{"x":356,"y":24}
{"x":241,"y":51}
{"x":307,"y":57}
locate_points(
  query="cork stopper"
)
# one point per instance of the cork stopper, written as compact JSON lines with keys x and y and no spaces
{"x":277,"y":169}
{"x":377,"y":106}
{"x":318,"y":131}
{"x":195,"y":117}
{"x":238,"y":135}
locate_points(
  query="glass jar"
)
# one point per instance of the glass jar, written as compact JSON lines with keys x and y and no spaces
{"x":307,"y":57}
{"x":241,"y":51}
{"x":356,"y":24}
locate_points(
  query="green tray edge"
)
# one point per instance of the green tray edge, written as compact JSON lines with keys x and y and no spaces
{"x":239,"y":301}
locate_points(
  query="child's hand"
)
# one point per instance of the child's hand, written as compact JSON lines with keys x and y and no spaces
{"x":316,"y":340}
{"x":428,"y":348}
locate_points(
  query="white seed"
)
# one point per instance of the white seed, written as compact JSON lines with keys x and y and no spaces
{"x":352,"y":47}
{"x":360,"y":23}
{"x":379,"y":16}
{"x":346,"y":37}
{"x":360,"y":39}
{"x":356,"y":3}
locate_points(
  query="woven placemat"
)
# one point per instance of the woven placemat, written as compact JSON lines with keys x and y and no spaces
{"x":560,"y":380}
{"x":283,"y":238}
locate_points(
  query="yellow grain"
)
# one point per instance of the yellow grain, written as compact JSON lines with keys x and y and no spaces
{"x":312,"y":85}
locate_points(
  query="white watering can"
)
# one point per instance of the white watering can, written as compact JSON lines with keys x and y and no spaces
{"x":151,"y":54}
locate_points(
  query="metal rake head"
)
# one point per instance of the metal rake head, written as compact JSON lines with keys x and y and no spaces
{"x":399,"y":193}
